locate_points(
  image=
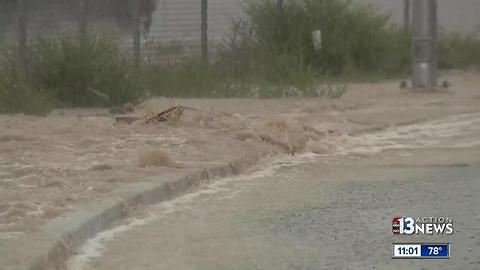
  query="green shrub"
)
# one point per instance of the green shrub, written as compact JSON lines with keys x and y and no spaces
{"x":458,"y":51}
{"x":21,"y":98}
{"x":277,"y":43}
{"x":67,"y":71}
{"x":182,"y":79}
{"x":245,"y":57}
{"x":70,"y":67}
{"x":16,"y":96}
{"x":270,"y":53}
{"x":190,"y":78}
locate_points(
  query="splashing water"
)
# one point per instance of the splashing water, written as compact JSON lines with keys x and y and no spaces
{"x":94,"y":247}
{"x":455,"y":131}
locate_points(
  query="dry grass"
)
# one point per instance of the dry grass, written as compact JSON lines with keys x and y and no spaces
{"x":276,"y":141}
{"x":289,"y":136}
{"x":157,"y":158}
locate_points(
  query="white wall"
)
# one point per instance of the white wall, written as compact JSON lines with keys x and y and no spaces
{"x":179,"y":20}
{"x":453,"y":15}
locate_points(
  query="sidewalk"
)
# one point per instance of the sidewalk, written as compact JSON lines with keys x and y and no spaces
{"x":59,"y":172}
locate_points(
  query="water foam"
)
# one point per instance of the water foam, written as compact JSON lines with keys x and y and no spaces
{"x":454,"y":131}
{"x":94,"y":247}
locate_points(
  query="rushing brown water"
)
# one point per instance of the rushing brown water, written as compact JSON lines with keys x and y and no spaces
{"x":459,"y":131}
{"x":51,"y":165}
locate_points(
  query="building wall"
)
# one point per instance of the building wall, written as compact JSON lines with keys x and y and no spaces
{"x":49,"y":18}
{"x":453,"y":15}
{"x":173,"y":21}
{"x":179,"y":20}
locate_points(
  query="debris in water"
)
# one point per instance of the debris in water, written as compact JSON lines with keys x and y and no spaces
{"x":128,"y":107}
{"x":172,"y":113}
{"x":99,"y":94}
{"x":445,"y":84}
{"x":157,"y":158}
{"x":291,"y":137}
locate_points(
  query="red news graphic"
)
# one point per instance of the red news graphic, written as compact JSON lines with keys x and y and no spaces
{"x":396,"y":225}
{"x":422,"y":225}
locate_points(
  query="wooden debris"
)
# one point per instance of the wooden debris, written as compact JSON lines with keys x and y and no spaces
{"x":172,"y":113}
{"x":99,"y":94}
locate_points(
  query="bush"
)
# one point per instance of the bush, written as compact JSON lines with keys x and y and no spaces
{"x":21,"y":98}
{"x":188,"y":78}
{"x":69,"y":68}
{"x":269,"y":53}
{"x":277,"y":43}
{"x":16,"y":96}
{"x":458,"y":51}
{"x":67,"y":71}
{"x":244,"y":56}
{"x":191,"y":78}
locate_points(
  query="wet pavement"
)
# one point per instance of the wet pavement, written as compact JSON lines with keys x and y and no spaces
{"x":330,"y":211}
{"x":54,"y":165}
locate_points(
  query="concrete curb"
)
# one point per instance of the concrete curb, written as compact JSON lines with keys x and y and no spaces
{"x":71,"y":230}
{"x":68,"y":232}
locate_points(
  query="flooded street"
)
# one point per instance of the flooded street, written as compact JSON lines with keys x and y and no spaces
{"x":239,"y":134}
{"x":50,"y":165}
{"x":459,"y":131}
{"x":299,"y":211}
{"x":75,"y":159}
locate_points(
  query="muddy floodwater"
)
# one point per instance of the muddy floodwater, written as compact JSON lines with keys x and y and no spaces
{"x":50,"y":165}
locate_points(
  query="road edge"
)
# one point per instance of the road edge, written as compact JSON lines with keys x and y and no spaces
{"x":67,"y":240}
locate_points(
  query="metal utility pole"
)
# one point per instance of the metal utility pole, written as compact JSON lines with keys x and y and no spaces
{"x":22,"y":37}
{"x":406,"y":14}
{"x":136,"y":32}
{"x":204,"y":26}
{"x":424,"y":47}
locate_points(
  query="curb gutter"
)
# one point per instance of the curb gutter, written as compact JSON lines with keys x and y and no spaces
{"x":71,"y":230}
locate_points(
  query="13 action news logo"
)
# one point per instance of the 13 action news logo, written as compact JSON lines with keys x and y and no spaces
{"x":424,"y":225}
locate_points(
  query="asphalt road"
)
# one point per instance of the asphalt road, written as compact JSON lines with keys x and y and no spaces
{"x":320,"y":213}
{"x":310,"y":212}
